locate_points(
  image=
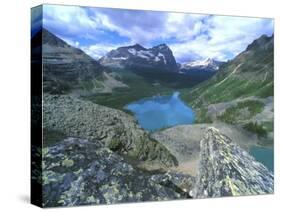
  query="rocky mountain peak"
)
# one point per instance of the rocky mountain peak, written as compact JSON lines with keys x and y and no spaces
{"x":51,"y":39}
{"x":263,"y":41}
{"x":227,"y":170}
{"x":209,"y":60}
{"x":161,"y":46}
{"x":137,"y":57}
{"x":207,"y":64}
{"x":137,"y":46}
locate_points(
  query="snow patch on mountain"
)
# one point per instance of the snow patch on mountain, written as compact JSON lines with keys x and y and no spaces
{"x":119,"y":58}
{"x":159,"y":57}
{"x":207,"y":64}
{"x":132,"y":51}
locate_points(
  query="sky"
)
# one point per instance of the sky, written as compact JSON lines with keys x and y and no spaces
{"x":190,"y":36}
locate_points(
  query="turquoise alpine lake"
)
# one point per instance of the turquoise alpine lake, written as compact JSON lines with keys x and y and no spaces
{"x":161,"y":112}
{"x":263,"y":155}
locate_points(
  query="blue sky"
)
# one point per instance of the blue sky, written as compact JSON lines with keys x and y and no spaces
{"x":190,"y":36}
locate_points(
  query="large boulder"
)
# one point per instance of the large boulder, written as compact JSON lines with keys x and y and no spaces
{"x":79,"y":172}
{"x":227,"y":170}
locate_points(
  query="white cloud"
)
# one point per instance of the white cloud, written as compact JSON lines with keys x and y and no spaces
{"x":194,"y":36}
{"x":190,"y":36}
{"x":226,"y":37}
{"x":147,"y":26}
{"x":96,"y":51}
{"x":70,"y":21}
{"x":139,"y":26}
{"x":183,"y":26}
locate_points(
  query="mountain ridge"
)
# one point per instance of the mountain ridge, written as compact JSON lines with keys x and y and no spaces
{"x":69,"y":69}
{"x":207,"y":64}
{"x":137,"y":56}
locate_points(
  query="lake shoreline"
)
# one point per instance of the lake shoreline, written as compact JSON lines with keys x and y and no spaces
{"x":183,"y":141}
{"x":160,"y":112}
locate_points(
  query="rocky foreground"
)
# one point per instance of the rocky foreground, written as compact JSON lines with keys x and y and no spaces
{"x":96,"y":163}
{"x":227,"y":170}
{"x":79,"y":172}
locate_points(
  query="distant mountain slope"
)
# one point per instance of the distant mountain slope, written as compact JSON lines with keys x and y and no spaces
{"x":200,"y":70}
{"x":207,"y":65}
{"x":138,"y":57}
{"x":66,"y":68}
{"x":248,"y":74}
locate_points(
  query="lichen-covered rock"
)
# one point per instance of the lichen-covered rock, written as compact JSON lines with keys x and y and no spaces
{"x":227,"y":170}
{"x":109,"y":127}
{"x":79,"y":172}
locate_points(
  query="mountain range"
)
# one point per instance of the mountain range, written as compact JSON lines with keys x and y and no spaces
{"x":158,"y":57}
{"x":207,"y":64}
{"x":138,"y":57}
{"x":68,"y":69}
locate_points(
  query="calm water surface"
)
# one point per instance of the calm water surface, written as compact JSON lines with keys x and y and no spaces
{"x":166,"y":111}
{"x":263,"y":155}
{"x":161,"y":111}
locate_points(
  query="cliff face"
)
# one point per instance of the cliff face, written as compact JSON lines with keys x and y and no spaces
{"x":227,"y":170}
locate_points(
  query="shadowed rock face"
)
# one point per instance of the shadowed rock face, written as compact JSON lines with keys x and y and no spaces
{"x":79,"y":172}
{"x":68,"y":69}
{"x":64,"y":66}
{"x":227,"y":170}
{"x":106,"y":126}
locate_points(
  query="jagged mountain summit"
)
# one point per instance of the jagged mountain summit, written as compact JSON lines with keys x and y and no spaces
{"x":138,"y":57}
{"x":66,"y":68}
{"x":207,"y":64}
{"x":227,"y":170}
{"x":200,"y":70}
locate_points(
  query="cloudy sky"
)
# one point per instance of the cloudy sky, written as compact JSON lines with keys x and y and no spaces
{"x":190,"y":36}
